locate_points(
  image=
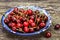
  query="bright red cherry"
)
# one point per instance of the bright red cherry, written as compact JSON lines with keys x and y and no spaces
{"x":26,"y":24}
{"x":33,"y":24}
{"x":48,"y":34}
{"x":31,"y":30}
{"x":25,"y":12}
{"x":14,"y":28}
{"x":42,"y":24}
{"x":19,"y":25}
{"x":6,"y":20}
{"x":30,"y":21}
{"x":29,"y":12}
{"x":57,"y":26}
{"x":26,"y":29}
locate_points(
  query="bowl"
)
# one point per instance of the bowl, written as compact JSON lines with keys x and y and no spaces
{"x":27,"y":34}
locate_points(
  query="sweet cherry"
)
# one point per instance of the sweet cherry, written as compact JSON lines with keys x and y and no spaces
{"x":19,"y":25}
{"x":57,"y":26}
{"x":6,"y":20}
{"x":26,"y":24}
{"x":29,"y":12}
{"x":31,"y":21}
{"x":47,"y":34}
{"x":26,"y":29}
{"x":33,"y":24}
{"x":42,"y":24}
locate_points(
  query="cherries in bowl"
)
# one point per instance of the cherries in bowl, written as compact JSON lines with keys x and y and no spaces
{"x":26,"y":20}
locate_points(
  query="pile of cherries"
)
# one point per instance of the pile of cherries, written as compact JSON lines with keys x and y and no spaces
{"x":26,"y":21}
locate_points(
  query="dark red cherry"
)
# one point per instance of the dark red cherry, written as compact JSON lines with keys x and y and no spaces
{"x":48,"y":34}
{"x":31,"y":21}
{"x":57,"y":26}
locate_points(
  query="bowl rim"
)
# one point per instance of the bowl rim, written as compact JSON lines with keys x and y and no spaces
{"x":25,"y":34}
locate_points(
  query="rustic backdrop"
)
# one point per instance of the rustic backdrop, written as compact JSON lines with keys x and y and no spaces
{"x":52,"y":6}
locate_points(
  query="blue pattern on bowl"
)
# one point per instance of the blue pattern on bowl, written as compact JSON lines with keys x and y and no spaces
{"x":27,"y":34}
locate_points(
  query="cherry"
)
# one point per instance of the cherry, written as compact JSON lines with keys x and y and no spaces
{"x":13,"y":24}
{"x":26,"y":29}
{"x":26,"y":24}
{"x":24,"y":19}
{"x":48,"y":34}
{"x":21,"y":18}
{"x":9,"y":17}
{"x":15,"y":10}
{"x":12,"y":13}
{"x":18,"y":21}
{"x":42,"y":24}
{"x":31,"y":30}
{"x":33,"y":24}
{"x":32,"y":17}
{"x":14,"y":28}
{"x":29,"y":12}
{"x":6,"y":20}
{"x":57,"y":26}
{"x":10,"y":24}
{"x":13,"y":19}
{"x":19,"y":25}
{"x":30,"y":21}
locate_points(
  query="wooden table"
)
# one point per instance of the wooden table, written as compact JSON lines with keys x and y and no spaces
{"x":52,"y":6}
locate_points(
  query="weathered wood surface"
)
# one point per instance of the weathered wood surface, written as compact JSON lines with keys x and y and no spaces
{"x":52,"y":6}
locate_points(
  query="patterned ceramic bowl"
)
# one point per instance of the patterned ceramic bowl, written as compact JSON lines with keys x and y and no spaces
{"x":27,"y":34}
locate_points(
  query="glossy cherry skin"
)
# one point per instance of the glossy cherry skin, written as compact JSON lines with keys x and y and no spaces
{"x":26,"y":29}
{"x":31,"y":21}
{"x":47,"y":34}
{"x":26,"y":24}
{"x":13,"y":24}
{"x":14,"y":29}
{"x":57,"y":26}
{"x":29,"y":12}
{"x":6,"y":20}
{"x":33,"y":24}
{"x":15,"y":10}
{"x":19,"y":25}
{"x":42,"y":24}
